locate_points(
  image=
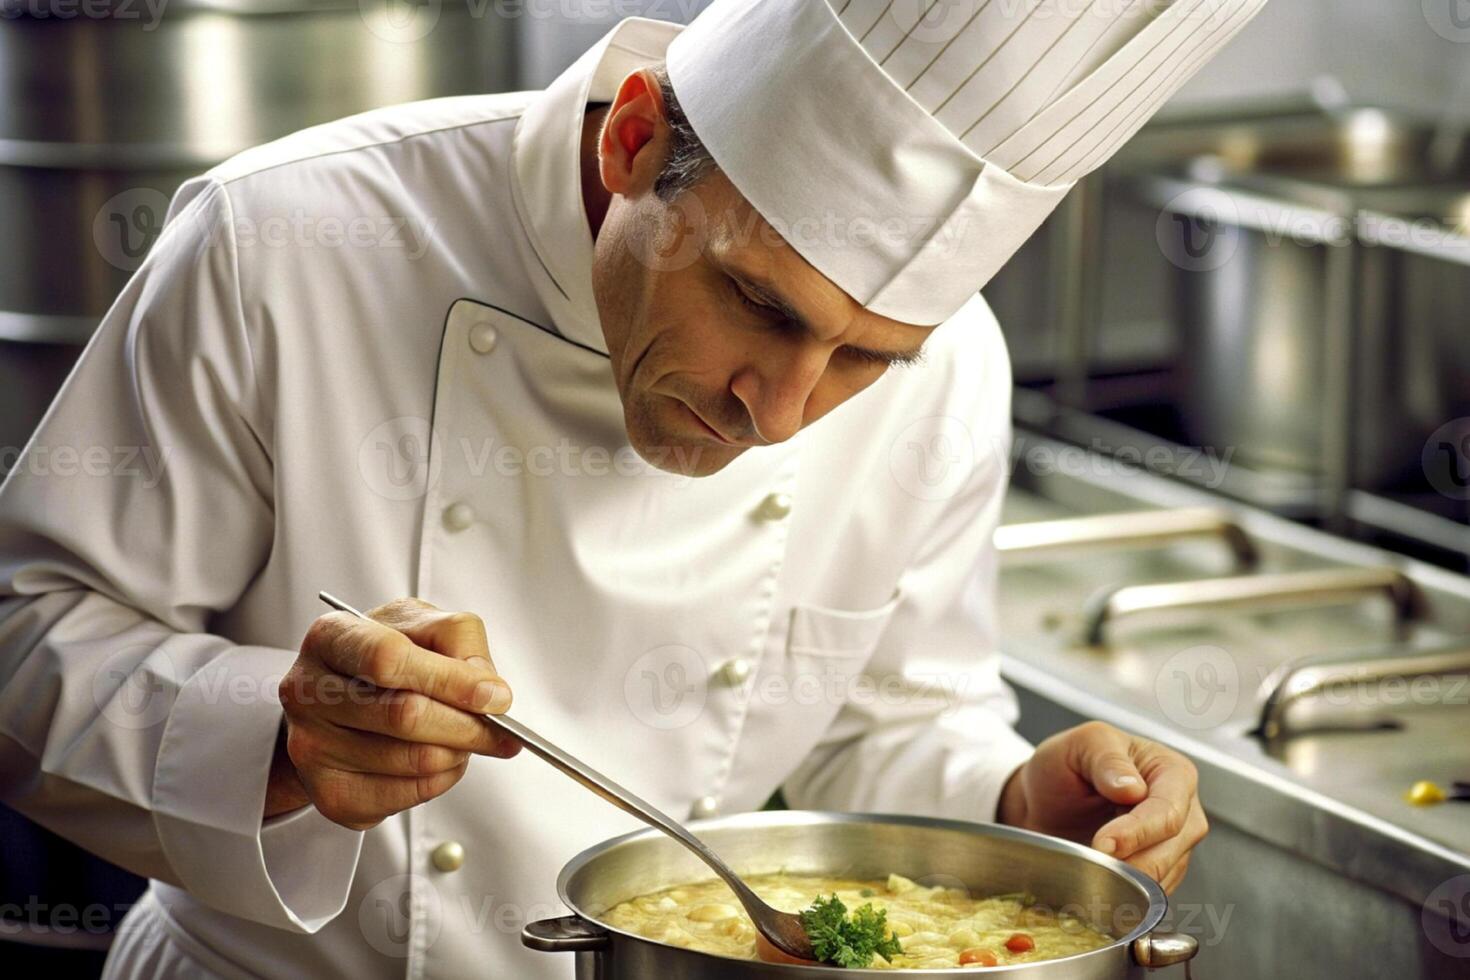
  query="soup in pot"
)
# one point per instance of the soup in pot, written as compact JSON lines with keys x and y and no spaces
{"x":938,"y":927}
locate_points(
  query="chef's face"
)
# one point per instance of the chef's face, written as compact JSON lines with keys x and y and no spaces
{"x":723,"y":338}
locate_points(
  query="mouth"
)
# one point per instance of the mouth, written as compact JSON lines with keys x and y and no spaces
{"x":709,"y":430}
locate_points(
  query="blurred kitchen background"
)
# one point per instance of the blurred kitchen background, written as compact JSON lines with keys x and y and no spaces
{"x":1254,"y":320}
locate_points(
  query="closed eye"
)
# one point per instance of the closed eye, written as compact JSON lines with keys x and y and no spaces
{"x":879,"y":358}
{"x":754,"y":305}
{"x":780,"y":316}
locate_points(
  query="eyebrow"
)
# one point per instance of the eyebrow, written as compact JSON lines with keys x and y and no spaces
{"x":768,"y":295}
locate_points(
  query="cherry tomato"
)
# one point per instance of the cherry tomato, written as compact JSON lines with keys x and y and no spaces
{"x":770,"y":954}
{"x":978,"y":957}
{"x":1020,"y":943}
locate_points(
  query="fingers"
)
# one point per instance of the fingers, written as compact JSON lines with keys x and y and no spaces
{"x":1175,"y":878}
{"x":361,"y":801}
{"x":1103,"y":756}
{"x":1167,"y":861}
{"x":389,"y":659}
{"x":1172,"y":782}
{"x":412,"y":717}
{"x":330,"y":747}
{"x":459,"y":635}
{"x":383,"y":714}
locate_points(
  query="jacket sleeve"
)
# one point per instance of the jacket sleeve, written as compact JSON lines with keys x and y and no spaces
{"x":141,"y":507}
{"x":940,"y":741}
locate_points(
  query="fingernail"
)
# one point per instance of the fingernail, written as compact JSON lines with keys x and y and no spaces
{"x":1121,"y":780}
{"x":1107,"y":845}
{"x":492,"y":697}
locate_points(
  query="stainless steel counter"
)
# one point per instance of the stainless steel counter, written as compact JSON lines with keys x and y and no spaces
{"x":1330,"y":796}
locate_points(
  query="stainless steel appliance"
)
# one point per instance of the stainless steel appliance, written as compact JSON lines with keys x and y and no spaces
{"x":1282,"y":287}
{"x":1413,"y":372}
{"x":1273,"y":301}
{"x":117,"y":108}
{"x":1313,"y":680}
{"x":986,"y":859}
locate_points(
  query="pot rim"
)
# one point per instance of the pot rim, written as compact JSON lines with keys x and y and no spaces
{"x":1158,"y":902}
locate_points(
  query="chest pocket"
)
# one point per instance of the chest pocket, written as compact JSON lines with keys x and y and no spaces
{"x":817,"y":631}
{"x":821,"y":668}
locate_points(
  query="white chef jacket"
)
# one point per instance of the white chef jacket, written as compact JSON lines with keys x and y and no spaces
{"x":366,"y":358}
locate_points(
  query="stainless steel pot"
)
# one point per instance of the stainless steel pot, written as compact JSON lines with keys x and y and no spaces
{"x":1274,"y":299}
{"x":1413,"y":373}
{"x":118,"y":106}
{"x":986,"y":859}
{"x":1257,"y":301}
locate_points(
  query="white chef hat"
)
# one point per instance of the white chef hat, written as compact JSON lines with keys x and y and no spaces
{"x":908,"y":148}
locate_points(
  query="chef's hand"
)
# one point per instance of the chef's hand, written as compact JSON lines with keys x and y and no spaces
{"x":383,"y":714}
{"x":1126,"y":796}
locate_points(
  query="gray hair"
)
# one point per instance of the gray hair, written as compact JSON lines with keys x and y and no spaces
{"x":689,"y":161}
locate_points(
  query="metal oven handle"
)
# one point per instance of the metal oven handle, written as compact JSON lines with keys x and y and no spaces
{"x":1161,"y":949}
{"x":567,"y":934}
{"x":1316,"y":675}
{"x":1131,"y":529}
{"x":1325,"y":587}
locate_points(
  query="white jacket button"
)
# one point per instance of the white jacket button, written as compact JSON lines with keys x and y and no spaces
{"x":459,"y":516}
{"x":448,"y":856}
{"x":704,"y":808}
{"x":483,"y":337}
{"x":775,"y":507}
{"x":736,"y":671}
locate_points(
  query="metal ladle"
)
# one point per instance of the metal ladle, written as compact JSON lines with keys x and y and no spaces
{"x":782,"y":929}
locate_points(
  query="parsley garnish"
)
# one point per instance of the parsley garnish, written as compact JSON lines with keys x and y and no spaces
{"x":848,"y":942}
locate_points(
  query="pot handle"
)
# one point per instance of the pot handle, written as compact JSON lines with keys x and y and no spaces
{"x":1161,"y":949}
{"x":568,"y":934}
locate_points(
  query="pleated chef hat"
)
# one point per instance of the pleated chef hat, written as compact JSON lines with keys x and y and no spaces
{"x":908,"y":148}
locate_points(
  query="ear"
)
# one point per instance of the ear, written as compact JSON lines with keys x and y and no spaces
{"x":634,"y":137}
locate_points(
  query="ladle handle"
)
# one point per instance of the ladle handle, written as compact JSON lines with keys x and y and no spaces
{"x":604,"y":787}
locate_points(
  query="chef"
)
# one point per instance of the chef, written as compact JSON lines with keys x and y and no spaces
{"x":668,"y":396}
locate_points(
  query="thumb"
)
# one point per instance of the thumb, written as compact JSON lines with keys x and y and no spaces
{"x":1106,"y":763}
{"x":1119,"y":781}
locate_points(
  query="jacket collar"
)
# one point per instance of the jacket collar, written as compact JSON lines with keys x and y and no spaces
{"x":547,"y":180}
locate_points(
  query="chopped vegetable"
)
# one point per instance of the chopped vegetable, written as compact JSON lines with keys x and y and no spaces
{"x":848,"y":942}
{"x":1020,"y":943}
{"x":979,"y":956}
{"x":1025,"y":898}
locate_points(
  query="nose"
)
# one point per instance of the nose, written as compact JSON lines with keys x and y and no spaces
{"x":776,"y":394}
